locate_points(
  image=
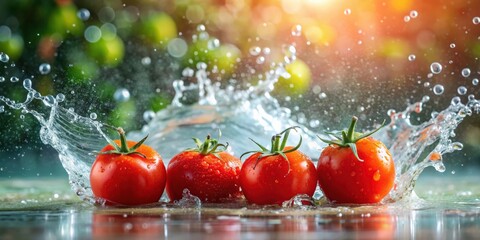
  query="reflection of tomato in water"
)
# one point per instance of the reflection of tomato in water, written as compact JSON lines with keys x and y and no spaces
{"x":119,"y":226}
{"x":128,"y":173}
{"x":355,"y":168}
{"x":369,"y":226}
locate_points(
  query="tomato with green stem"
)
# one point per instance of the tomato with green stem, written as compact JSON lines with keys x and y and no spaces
{"x":128,"y":173}
{"x":355,"y":168}
{"x":207,"y":171}
{"x":276,"y":175}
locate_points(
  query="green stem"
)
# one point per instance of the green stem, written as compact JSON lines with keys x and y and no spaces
{"x":123,"y":140}
{"x":124,"y":149}
{"x":350,"y":137}
{"x":209,"y":146}
{"x":206,"y":146}
{"x":276,"y":143}
{"x":351,"y":130}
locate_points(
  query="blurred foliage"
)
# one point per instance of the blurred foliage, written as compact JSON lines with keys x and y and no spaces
{"x":350,"y":52}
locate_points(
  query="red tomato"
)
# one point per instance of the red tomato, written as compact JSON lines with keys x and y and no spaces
{"x":364,"y":174}
{"x":275,"y":176}
{"x":132,"y":174}
{"x":208,"y":173}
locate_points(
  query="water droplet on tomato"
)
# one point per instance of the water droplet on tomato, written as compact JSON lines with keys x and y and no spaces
{"x":376,"y":175}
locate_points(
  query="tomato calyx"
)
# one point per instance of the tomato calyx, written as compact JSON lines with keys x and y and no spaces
{"x":349,"y":137}
{"x":123,"y":149}
{"x":209,"y":146}
{"x":277,"y":147}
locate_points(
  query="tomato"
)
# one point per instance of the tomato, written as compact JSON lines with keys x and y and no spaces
{"x":224,"y":57}
{"x":12,"y":46}
{"x":108,"y":52}
{"x":355,"y":168}
{"x":129,"y":174}
{"x":276,"y":175}
{"x":298,"y":82}
{"x":207,"y":171}
{"x":158,"y":29}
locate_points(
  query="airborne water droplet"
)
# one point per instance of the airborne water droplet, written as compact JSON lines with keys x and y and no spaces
{"x":60,"y":97}
{"x":254,"y":51}
{"x":260,"y":60}
{"x":213,"y":43}
{"x":14,"y":79}
{"x":413,"y":14}
{"x":93,"y":116}
{"x":411,"y":57}
{"x":297,"y":30}
{"x":2,"y":79}
{"x":466,"y":72}
{"x":4,"y":57}
{"x":455,"y":101}
{"x":347,"y":11}
{"x":44,"y":68}
{"x":438,"y":89}
{"x":201,"y":28}
{"x":457,"y":146}
{"x":475,"y":81}
{"x":146,"y":61}
{"x":436,"y":68}
{"x":83,"y":14}
{"x":462,"y":90}
{"x":201,"y":66}
{"x":121,"y":95}
{"x":148,"y":115}
{"x":476,"y":20}
{"x":266,"y":51}
{"x":27,"y":84}
{"x":188,"y":72}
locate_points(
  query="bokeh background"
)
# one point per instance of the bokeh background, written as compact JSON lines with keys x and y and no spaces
{"x":118,"y":59}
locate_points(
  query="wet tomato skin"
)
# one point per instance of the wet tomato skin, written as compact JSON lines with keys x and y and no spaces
{"x":211,"y":179}
{"x":128,"y":179}
{"x":272,"y":181}
{"x":345,"y":179}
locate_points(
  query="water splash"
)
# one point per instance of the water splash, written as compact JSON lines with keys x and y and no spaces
{"x":302,"y":201}
{"x":188,"y":200}
{"x":240,"y":114}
